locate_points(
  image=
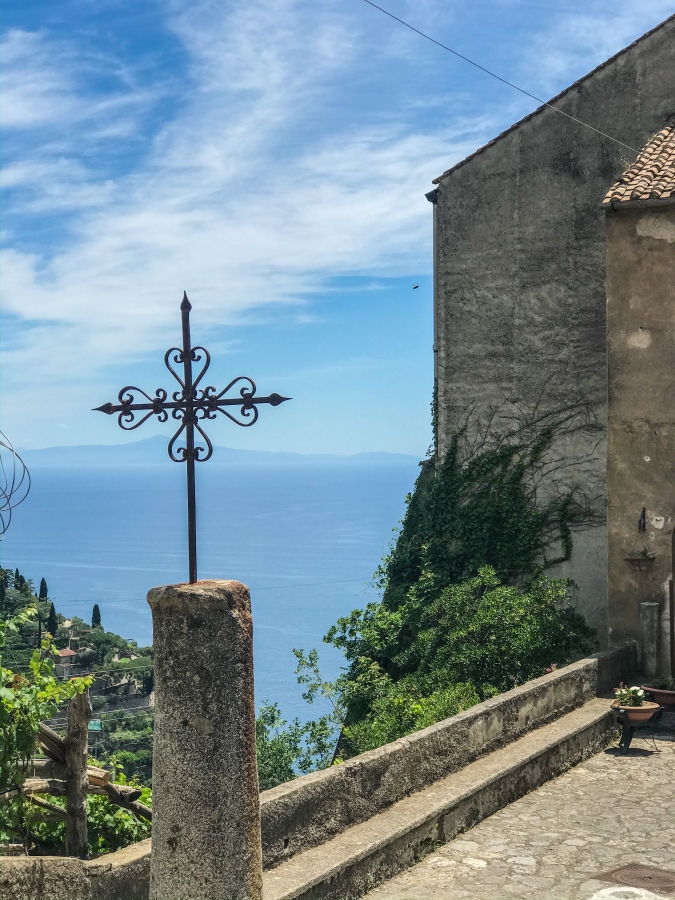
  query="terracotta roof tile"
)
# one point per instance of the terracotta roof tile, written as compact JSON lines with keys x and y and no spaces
{"x":66,"y":652}
{"x":652,"y":175}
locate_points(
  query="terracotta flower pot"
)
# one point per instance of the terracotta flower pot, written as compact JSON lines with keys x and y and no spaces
{"x":663,"y":698}
{"x":636,"y":714}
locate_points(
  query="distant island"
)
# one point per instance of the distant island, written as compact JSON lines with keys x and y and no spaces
{"x":152,"y":451}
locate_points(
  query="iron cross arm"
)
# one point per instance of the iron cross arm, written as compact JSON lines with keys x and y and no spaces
{"x":206,"y":403}
{"x":189,"y":406}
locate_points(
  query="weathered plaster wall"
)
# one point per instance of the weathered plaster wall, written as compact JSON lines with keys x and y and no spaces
{"x":521,"y":262}
{"x":641,"y":433}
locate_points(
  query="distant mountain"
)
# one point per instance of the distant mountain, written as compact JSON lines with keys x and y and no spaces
{"x":153,"y":451}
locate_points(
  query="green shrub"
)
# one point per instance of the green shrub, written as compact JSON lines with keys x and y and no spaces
{"x":478,"y":638}
{"x":402,"y":711}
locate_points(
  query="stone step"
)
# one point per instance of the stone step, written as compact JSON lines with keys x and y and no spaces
{"x":353,"y":862}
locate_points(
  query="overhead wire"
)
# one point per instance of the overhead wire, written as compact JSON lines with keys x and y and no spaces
{"x":498,"y":77}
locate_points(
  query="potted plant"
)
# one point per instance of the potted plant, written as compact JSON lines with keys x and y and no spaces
{"x":661,"y":690}
{"x":631,"y":703}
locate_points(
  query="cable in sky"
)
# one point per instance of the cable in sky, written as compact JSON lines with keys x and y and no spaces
{"x":498,"y":77}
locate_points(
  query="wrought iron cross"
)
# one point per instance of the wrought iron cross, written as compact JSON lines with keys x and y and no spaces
{"x":189,"y":405}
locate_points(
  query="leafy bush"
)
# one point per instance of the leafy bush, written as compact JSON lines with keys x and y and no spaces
{"x":457,"y":645}
{"x":278,"y":746}
{"x":285,"y":749}
{"x":402,"y":711}
{"x":26,"y":699}
{"x":504,"y":499}
{"x":466,"y":611}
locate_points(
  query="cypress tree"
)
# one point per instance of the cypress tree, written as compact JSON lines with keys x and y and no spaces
{"x":17,"y":579}
{"x":52,"y":624}
{"x":96,"y":617}
{"x":43,"y":590}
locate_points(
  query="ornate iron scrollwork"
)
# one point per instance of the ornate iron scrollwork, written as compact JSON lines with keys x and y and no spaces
{"x":190,"y":406}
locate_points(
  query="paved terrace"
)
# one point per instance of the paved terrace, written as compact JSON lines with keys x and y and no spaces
{"x":554,"y":843}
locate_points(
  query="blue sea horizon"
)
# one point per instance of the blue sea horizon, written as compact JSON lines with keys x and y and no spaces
{"x":104,"y":525}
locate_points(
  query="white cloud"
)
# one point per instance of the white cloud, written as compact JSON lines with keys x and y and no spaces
{"x":255,"y":188}
{"x":227,"y":204}
{"x":580,"y":39}
{"x":42,"y":81}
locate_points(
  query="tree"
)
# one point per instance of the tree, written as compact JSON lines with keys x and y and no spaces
{"x":52,"y":623}
{"x":43,"y":590}
{"x":96,"y":617}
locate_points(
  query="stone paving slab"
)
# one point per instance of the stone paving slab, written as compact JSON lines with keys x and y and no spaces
{"x":554,"y":843}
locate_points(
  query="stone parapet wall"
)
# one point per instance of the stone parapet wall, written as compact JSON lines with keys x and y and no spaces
{"x":124,"y":875}
{"x":314,"y":808}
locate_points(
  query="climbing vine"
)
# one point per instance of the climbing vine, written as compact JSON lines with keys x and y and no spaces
{"x":466,"y":609}
{"x":505,"y":498}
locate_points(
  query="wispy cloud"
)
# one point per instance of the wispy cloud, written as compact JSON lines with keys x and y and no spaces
{"x":579,"y":39}
{"x":43,"y":85}
{"x":227,"y":202}
{"x":266,"y":167}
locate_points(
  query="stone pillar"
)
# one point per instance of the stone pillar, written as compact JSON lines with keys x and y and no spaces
{"x":649,"y":626}
{"x":206,"y":812}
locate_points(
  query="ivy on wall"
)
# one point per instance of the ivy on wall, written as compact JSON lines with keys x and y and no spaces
{"x":504,"y":495}
{"x":466,"y":609}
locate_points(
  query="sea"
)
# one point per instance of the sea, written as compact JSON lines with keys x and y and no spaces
{"x":305,"y":533}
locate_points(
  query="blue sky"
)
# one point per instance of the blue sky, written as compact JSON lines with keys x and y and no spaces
{"x":271,"y":158}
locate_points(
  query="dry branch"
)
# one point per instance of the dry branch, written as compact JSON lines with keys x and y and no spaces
{"x":127,"y":798}
{"x":52,"y":743}
{"x":36,"y":786}
{"x":57,"y":812}
{"x":51,"y":768}
{"x":119,"y":794}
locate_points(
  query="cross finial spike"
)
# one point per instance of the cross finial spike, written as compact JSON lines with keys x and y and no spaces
{"x":186,"y":303}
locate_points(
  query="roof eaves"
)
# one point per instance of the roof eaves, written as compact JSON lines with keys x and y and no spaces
{"x":544,"y":106}
{"x":637,"y":204}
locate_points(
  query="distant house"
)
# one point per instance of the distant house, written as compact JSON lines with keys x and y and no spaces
{"x":528,"y":277}
{"x":64,"y":661}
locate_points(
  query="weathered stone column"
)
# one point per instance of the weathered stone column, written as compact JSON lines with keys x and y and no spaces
{"x":649,"y":627}
{"x":206,"y":812}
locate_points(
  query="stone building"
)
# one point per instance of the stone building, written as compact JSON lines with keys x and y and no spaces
{"x":640,"y":229}
{"x":520,"y":291}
